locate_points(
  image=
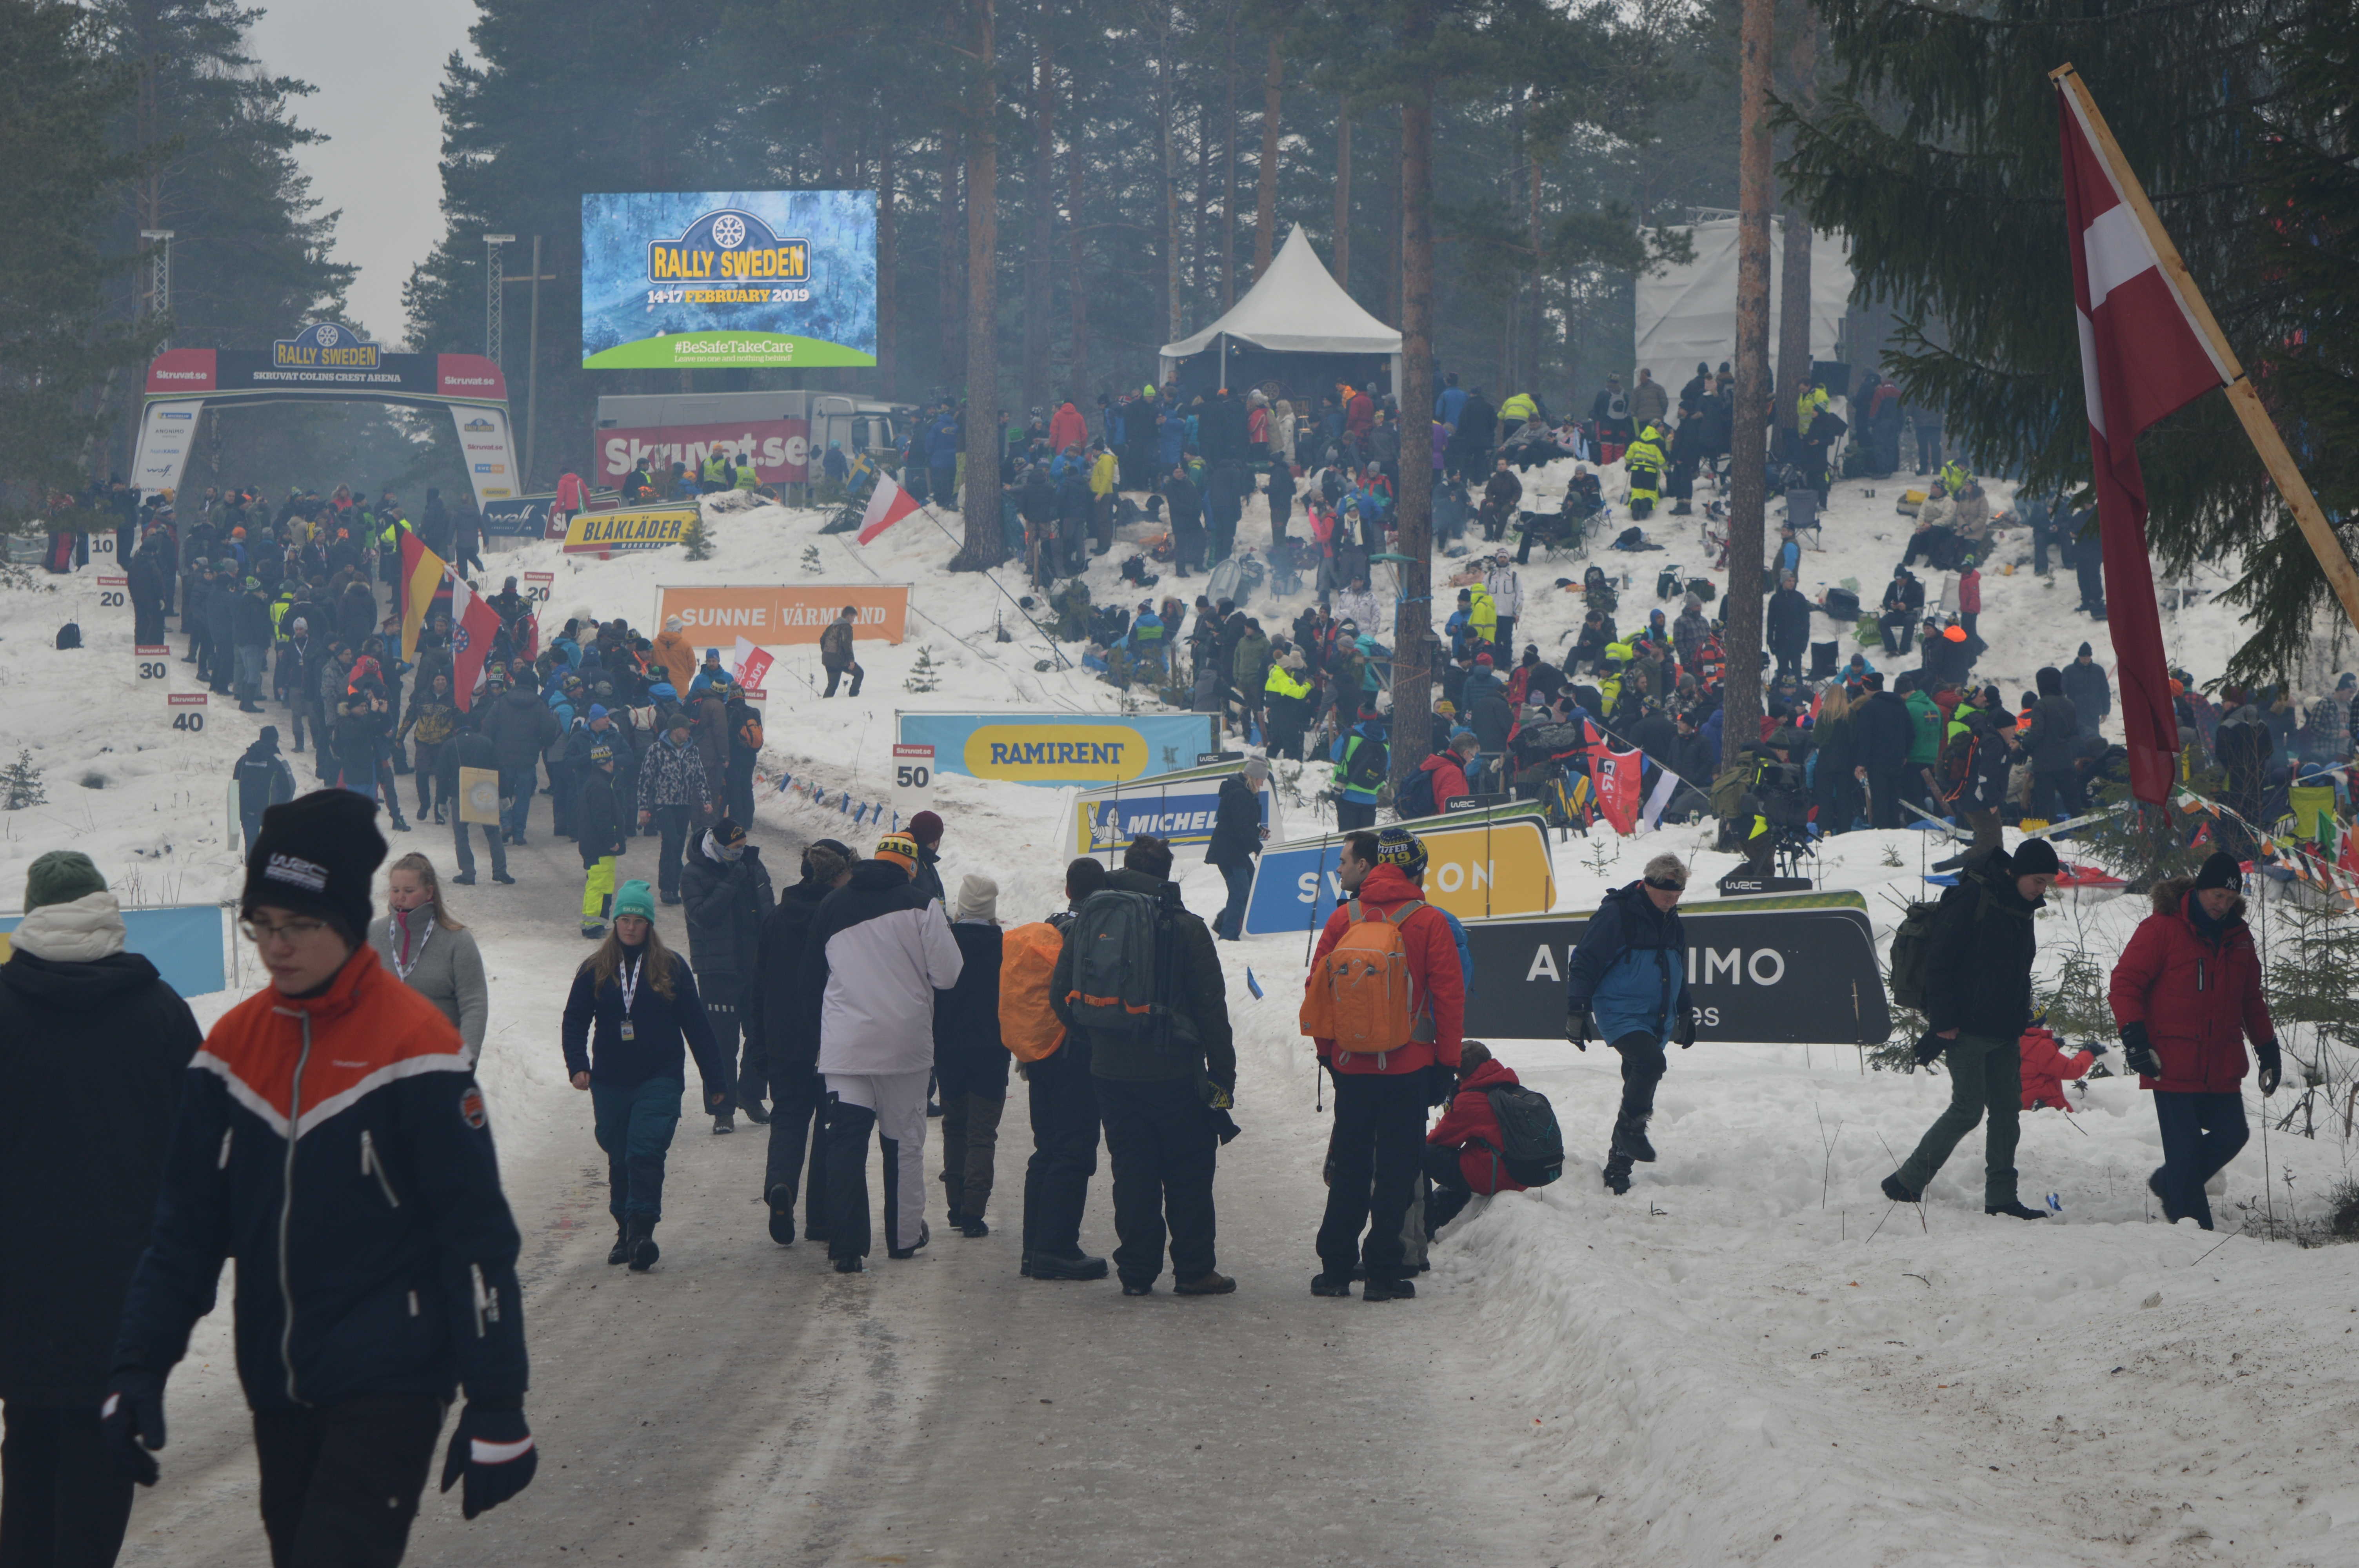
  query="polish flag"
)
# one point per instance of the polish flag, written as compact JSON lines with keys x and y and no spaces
{"x":2144,"y":355}
{"x":750,"y":664}
{"x":886,"y":505}
{"x":473,"y":624}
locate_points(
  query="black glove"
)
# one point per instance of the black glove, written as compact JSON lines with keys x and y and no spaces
{"x":493,"y":1447}
{"x":131,"y":1421}
{"x":1684,"y":1030}
{"x":2272,"y":1065}
{"x":1441,"y":1085}
{"x":2137,"y":1052}
{"x":1929,"y":1047}
{"x":1578,"y":1029}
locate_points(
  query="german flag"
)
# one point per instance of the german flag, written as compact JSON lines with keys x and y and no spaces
{"x":422,"y":574}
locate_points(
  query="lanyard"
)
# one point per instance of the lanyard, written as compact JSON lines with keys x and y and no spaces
{"x":626,"y":976}
{"x":401,"y":925}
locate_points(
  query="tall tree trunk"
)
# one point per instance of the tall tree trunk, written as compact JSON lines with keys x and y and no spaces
{"x":1229,"y":167}
{"x":1077,"y":283}
{"x":1395,"y":236}
{"x":1343,"y":197}
{"x":1412,"y":732}
{"x":1794,"y":287}
{"x":986,"y":542}
{"x":1266,"y":193}
{"x":1199,"y":227}
{"x":953,"y":278}
{"x":1535,"y":321}
{"x":1037,"y":270}
{"x":888,"y":263}
{"x":1740,"y":701}
{"x":1167,"y":137}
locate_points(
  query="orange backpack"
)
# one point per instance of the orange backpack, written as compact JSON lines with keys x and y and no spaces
{"x":1361,"y":994}
{"x":1028,"y":962}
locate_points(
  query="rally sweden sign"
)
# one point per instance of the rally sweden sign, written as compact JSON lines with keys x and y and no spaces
{"x":1058,"y":748}
{"x":728,"y":278}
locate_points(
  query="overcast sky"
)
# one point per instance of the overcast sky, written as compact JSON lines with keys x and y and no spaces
{"x":377,"y":69}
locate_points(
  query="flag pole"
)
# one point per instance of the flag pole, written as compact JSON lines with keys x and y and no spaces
{"x":2242,"y":397}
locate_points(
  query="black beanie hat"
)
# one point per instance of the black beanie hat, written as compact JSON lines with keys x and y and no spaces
{"x":2032,"y":857}
{"x":316,"y":854}
{"x":2220,"y":870}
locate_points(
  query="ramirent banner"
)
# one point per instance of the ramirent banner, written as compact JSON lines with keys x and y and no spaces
{"x":1052,"y":748}
{"x":1789,"y":969}
{"x":782,"y":614}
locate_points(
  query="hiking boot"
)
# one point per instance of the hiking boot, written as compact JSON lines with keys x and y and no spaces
{"x":466,"y":880}
{"x":2154,"y":1185}
{"x":1388,"y":1291}
{"x":2013,"y":1209}
{"x":1211,"y":1283}
{"x":641,"y":1238}
{"x":592,"y":933}
{"x":972,"y":1228}
{"x":1337,"y":1285}
{"x":1079,"y":1266}
{"x":848,"y":1265}
{"x":1617,"y":1178}
{"x":925,"y":1234}
{"x":621,"y":1251}
{"x":399,"y":825}
{"x":782,"y":1215}
{"x":725,"y":1122}
{"x":756,"y":1112}
{"x":1898,"y":1190}
{"x":1138,"y":1287}
{"x":1630,"y":1140}
{"x":504,"y":880}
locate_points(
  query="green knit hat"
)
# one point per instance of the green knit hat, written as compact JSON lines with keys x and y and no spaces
{"x":635,"y":898}
{"x":61,"y":876}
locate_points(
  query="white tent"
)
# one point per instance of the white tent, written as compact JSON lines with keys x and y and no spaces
{"x":1294,"y":307}
{"x":1687,"y":315}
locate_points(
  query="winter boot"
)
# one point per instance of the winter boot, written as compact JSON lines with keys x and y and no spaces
{"x":621,"y":1251}
{"x":1388,"y":1291}
{"x":1617,"y":1177}
{"x":725,"y":1122}
{"x":782,"y":1214}
{"x":972,"y":1228}
{"x":848,"y":1265}
{"x":594,"y":932}
{"x":925,"y":1234}
{"x":641,"y":1238}
{"x":1333,"y":1285}
{"x":1212,"y":1283}
{"x":756,"y":1112}
{"x":1899,"y":1191}
{"x":1630,"y":1139}
{"x":1055,"y":1266}
{"x":2013,"y":1209}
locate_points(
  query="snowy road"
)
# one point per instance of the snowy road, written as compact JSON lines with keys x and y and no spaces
{"x":742,"y":1403}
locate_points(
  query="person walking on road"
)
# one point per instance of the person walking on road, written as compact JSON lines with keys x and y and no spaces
{"x":1139,"y":980}
{"x":2187,"y":995}
{"x":926,"y":828}
{"x":1977,"y":1003}
{"x":264,"y":780}
{"x":521,"y":727}
{"x":726,"y":889}
{"x":878,"y":951}
{"x":789,"y":1035}
{"x":431,"y":953}
{"x":601,"y":835}
{"x":1392,"y":1050}
{"x":393,"y":1214}
{"x":969,"y":1060}
{"x":1063,"y":1105}
{"x":674,"y":791}
{"x":1627,"y":986}
{"x":94,"y":1047}
{"x":632,"y":1018}
{"x":1237,"y":838}
{"x":470,"y":748}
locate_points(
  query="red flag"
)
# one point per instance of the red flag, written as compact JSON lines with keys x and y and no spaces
{"x":1614,"y":774}
{"x":887,"y":504}
{"x":473,"y":624}
{"x":751,"y":664}
{"x":2143,"y":357}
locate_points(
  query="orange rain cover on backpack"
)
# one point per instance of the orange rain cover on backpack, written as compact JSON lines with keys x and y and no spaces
{"x":1027,"y":961}
{"x":1361,"y":995}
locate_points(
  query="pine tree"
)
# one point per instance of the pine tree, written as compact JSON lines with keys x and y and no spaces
{"x":20,"y":783}
{"x":925,"y":674}
{"x":810,"y":563}
{"x":698,"y":542}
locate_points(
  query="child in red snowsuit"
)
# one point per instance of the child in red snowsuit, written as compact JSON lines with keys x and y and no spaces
{"x":2047,"y":1066}
{"x":1462,"y":1155}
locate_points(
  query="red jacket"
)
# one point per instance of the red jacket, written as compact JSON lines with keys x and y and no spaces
{"x":1067,"y":428}
{"x":1433,"y":971}
{"x":1970,"y":592}
{"x":2198,"y":999}
{"x":1449,"y":778}
{"x":2047,"y":1066}
{"x":1473,"y":1128}
{"x":1359,"y":416}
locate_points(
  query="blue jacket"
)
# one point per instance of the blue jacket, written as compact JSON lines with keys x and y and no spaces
{"x":942,"y":443}
{"x":1465,"y":954}
{"x":1631,"y":968}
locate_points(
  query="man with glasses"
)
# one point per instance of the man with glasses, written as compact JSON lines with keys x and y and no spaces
{"x":1628,"y":987}
{"x":331,"y":1138}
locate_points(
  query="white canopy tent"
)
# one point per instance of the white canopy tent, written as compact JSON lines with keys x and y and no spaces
{"x":1687,"y":314}
{"x":1296,"y":306}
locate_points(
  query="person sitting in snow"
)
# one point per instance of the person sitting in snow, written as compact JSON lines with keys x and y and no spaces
{"x":1461,"y":1152}
{"x":2048,"y":1067}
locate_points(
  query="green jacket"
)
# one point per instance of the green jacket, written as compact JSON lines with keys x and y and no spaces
{"x":1201,"y":1001}
{"x":1925,"y":745}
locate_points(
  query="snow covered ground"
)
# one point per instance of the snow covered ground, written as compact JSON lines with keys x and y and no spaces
{"x":1750,"y":1357}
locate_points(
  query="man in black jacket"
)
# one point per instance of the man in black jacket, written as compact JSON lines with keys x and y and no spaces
{"x":789,"y":1046}
{"x":470,"y":748}
{"x":264,"y":780}
{"x":1977,"y":1004}
{"x":1237,"y":838}
{"x":2052,"y":738}
{"x":2092,"y":692}
{"x":601,"y":832}
{"x":1164,"y":1092}
{"x":1787,"y":619}
{"x":726,"y":889}
{"x":1187,"y":505}
{"x":1885,"y":733}
{"x":520,"y":727}
{"x":92,"y":1047}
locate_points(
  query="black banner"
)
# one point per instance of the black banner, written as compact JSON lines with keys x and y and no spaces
{"x":526,"y":514}
{"x":1787,"y":970}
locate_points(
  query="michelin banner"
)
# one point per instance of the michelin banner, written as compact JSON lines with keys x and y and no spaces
{"x":1483,"y":869}
{"x":1059,"y":749}
{"x":1789,"y":969}
{"x":1180,"y":810}
{"x":183,"y":941}
{"x":728,"y":279}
